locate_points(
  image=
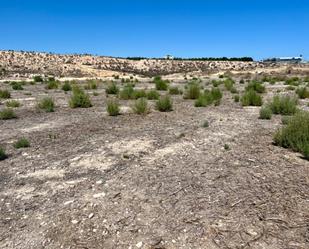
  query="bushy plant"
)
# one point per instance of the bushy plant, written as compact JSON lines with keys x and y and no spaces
{"x":17,"y":86}
{"x":52,"y":85}
{"x":38,"y":78}
{"x":47,"y":104}
{"x":153,"y":94}
{"x":79,"y":99}
{"x":294,"y":81}
{"x":236,"y":98}
{"x":229,"y":84}
{"x":5,"y":94}
{"x":21,"y":143}
{"x":265,"y":112}
{"x":284,"y":105}
{"x":91,"y":84}
{"x":127,"y":92}
{"x":112,"y":88}
{"x":251,"y":98}
{"x":139,"y":94}
{"x":302,"y":92}
{"x":161,"y":85}
{"x":7,"y":113}
{"x":192,"y":91}
{"x":256,"y":86}
{"x":140,"y":106}
{"x":13,"y":103}
{"x":164,"y":104}
{"x":3,"y":154}
{"x":216,"y":93}
{"x":66,"y":86}
{"x":295,"y":135}
{"x":174,"y":90}
{"x":112,"y":107}
{"x":204,"y":100}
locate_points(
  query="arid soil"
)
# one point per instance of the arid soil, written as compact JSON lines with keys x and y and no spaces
{"x":90,"y":180}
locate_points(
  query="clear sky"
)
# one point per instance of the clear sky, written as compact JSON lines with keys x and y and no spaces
{"x":154,"y":28}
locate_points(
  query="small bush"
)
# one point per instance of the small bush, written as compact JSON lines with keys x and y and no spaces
{"x":141,"y":106}
{"x":285,"y":120}
{"x":164,"y":104}
{"x":204,"y":100}
{"x":21,"y":143}
{"x":302,"y":92}
{"x":251,"y":98}
{"x":3,"y":155}
{"x":216,"y":93}
{"x":5,"y":94}
{"x":290,"y":88}
{"x":174,"y":90}
{"x":66,"y":86}
{"x":46,"y":104}
{"x":295,"y":135}
{"x":242,"y":81}
{"x":13,"y":103}
{"x":139,"y":94}
{"x":256,"y":86}
{"x":205,"y":124}
{"x":17,"y":86}
{"x":91,"y":85}
{"x":226,"y":147}
{"x":38,"y":78}
{"x":294,"y":81}
{"x":79,"y":99}
{"x":265,"y":113}
{"x":193,"y":91}
{"x":284,"y":105}
{"x":7,"y":113}
{"x":229,"y":84}
{"x":236,"y":98}
{"x":112,"y":88}
{"x":161,"y":85}
{"x":153,"y":94}
{"x":113,"y":108}
{"x":127,"y":92}
{"x":51,"y":85}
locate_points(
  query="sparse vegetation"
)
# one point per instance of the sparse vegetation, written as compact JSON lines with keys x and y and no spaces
{"x":251,"y":98}
{"x":174,"y":90}
{"x":236,"y":98}
{"x":205,"y":124}
{"x":139,"y":94}
{"x":192,"y":91}
{"x":284,"y":105}
{"x":52,"y":85}
{"x":3,"y":154}
{"x":17,"y":86}
{"x":302,"y":92}
{"x":164,"y":104}
{"x":112,"y":88}
{"x":47,"y":104}
{"x":295,"y":135}
{"x":13,"y":104}
{"x":112,"y":107}
{"x":256,"y":86}
{"x":161,"y":85}
{"x":66,"y":86}
{"x":79,"y":99}
{"x":91,"y":84}
{"x":5,"y":94}
{"x":265,"y":112}
{"x":127,"y":92}
{"x":38,"y":78}
{"x":21,"y":143}
{"x":141,"y":106}
{"x":153,"y":94}
{"x":7,"y":113}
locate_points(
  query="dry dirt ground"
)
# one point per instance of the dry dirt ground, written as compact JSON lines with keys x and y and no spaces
{"x":157,"y":181}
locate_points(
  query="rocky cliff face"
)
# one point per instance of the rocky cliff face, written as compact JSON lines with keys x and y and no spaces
{"x":27,"y":63}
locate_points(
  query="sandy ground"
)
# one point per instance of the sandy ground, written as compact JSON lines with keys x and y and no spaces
{"x":157,"y":181}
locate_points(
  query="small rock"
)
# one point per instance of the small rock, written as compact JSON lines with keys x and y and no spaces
{"x":90,"y":215}
{"x":99,"y":195}
{"x":139,"y":244}
{"x":74,"y":222}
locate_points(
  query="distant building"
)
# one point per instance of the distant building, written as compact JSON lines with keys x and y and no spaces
{"x":291,"y":60}
{"x":169,"y":57}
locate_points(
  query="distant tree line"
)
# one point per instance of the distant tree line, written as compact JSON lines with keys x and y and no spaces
{"x":197,"y":59}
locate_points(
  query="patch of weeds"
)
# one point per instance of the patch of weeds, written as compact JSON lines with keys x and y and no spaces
{"x":236,"y":98}
{"x":164,"y":104}
{"x":79,"y":99}
{"x":141,"y":106}
{"x":290,"y":88}
{"x":127,"y":92}
{"x":38,"y":78}
{"x":256,"y":86}
{"x":302,"y":92}
{"x":113,"y":108}
{"x":174,"y":90}
{"x":295,"y":135}
{"x":265,"y":112}
{"x":17,"y":86}
{"x":251,"y":98}
{"x":112,"y":88}
{"x":294,"y":81}
{"x":284,"y":105}
{"x":66,"y":86}
{"x":13,"y":104}
{"x":153,"y":94}
{"x":91,"y":84}
{"x":193,"y":91}
{"x":229,"y":84}
{"x":5,"y":94}
{"x":51,"y":85}
{"x":7,"y":113}
{"x":161,"y":85}
{"x":285,"y":119}
{"x":47,"y":104}
{"x":3,"y":154}
{"x":137,"y":94}
{"x":95,"y":94}
{"x":21,"y":143}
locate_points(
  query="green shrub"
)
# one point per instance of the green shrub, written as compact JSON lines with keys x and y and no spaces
{"x":236,"y":98}
{"x":256,"y":86}
{"x":3,"y":155}
{"x":139,"y":94}
{"x":161,"y":85}
{"x":66,"y":86}
{"x":13,"y":103}
{"x":204,"y":99}
{"x":7,"y":113}
{"x":229,"y":84}
{"x":112,"y":88}
{"x":79,"y":99}
{"x":46,"y":104}
{"x":290,"y":88}
{"x":174,"y":90}
{"x":294,"y":81}
{"x":21,"y":143}
{"x":127,"y":92}
{"x":242,"y":81}
{"x":153,"y":94}
{"x":164,"y":104}
{"x":91,"y":84}
{"x":295,"y":135}
{"x":265,"y":112}
{"x":52,"y":85}
{"x":251,"y":98}
{"x":5,"y":94}
{"x":302,"y":92}
{"x":113,"y":108}
{"x":226,"y":147}
{"x":192,"y":91}
{"x":285,"y":119}
{"x":17,"y":86}
{"x":38,"y":78}
{"x":140,"y":106}
{"x":284,"y":105}
{"x":216,"y":93}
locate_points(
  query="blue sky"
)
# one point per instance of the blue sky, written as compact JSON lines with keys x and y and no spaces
{"x":154,"y":28}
